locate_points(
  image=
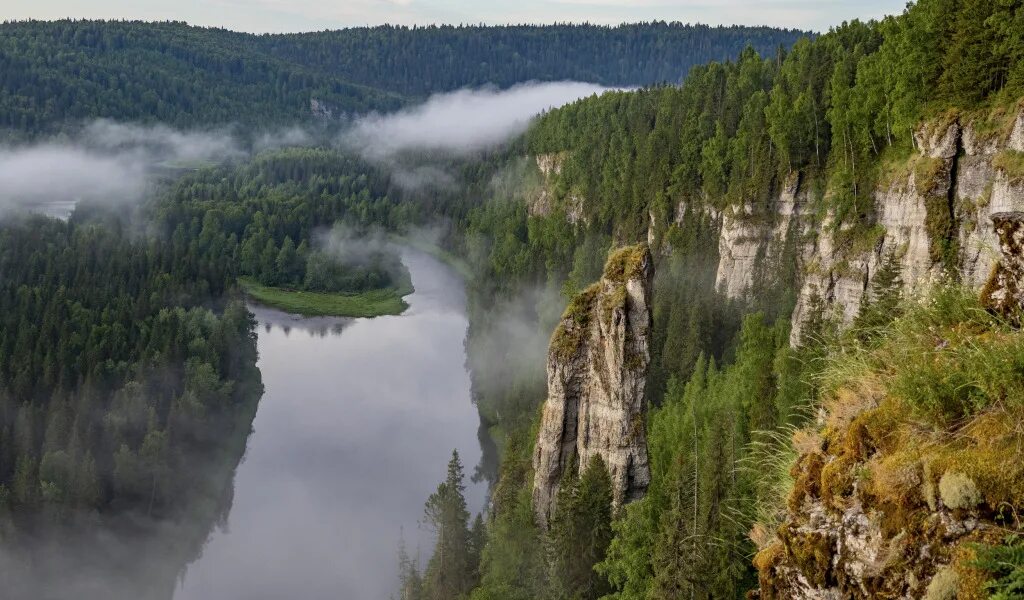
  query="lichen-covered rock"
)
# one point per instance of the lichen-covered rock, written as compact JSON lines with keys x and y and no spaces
{"x":943,"y":586}
{"x":883,"y":508}
{"x":1004,"y":292}
{"x":958,"y":491}
{"x":597,"y":370}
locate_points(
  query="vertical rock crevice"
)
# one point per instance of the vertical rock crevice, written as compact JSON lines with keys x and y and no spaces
{"x":597,"y":371}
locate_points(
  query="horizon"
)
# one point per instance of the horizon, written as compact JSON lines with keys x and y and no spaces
{"x":279,"y":17}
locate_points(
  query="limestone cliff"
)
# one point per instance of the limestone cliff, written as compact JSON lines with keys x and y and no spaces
{"x":596,"y":370}
{"x":751,"y":242}
{"x":932,"y":216}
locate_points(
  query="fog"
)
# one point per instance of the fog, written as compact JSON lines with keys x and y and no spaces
{"x":352,"y":247}
{"x":114,"y":163}
{"x":51,"y":173}
{"x":462,"y":122}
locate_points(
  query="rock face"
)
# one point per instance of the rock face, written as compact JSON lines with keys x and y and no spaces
{"x":751,"y":242}
{"x":544,"y":202}
{"x":320,"y":109}
{"x":1003,"y":292}
{"x":596,"y":371}
{"x":933,"y":219}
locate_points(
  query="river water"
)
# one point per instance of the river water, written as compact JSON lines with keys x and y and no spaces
{"x":353,"y":433}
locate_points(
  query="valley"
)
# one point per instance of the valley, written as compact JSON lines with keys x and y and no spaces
{"x":689,"y":312}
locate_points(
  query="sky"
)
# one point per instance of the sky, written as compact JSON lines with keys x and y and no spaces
{"x":262,"y":16}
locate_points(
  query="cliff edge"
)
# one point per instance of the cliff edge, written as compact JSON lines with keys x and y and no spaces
{"x":913,"y":464}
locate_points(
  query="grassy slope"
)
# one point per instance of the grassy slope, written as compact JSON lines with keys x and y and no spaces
{"x":374,"y":303}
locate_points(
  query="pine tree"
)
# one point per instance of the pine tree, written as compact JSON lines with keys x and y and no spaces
{"x":677,"y":554}
{"x":410,"y":583}
{"x":581,"y":531}
{"x":880,"y":305}
{"x":288,"y":267}
{"x":450,"y":572}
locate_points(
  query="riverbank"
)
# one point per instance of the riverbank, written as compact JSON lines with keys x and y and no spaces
{"x":373,"y":303}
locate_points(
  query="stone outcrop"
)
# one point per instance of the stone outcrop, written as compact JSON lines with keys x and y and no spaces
{"x":320,"y":109}
{"x":882,"y":507}
{"x":596,"y":369}
{"x":543,"y":201}
{"x":983,"y":190}
{"x":1003,"y":293}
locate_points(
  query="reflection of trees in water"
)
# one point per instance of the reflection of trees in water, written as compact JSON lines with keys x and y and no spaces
{"x":62,"y":552}
{"x":487,"y":469}
{"x":316,"y":326}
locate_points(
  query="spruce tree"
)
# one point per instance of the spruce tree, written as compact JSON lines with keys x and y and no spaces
{"x":410,"y":583}
{"x":581,"y":531}
{"x":880,"y":305}
{"x":450,"y":572}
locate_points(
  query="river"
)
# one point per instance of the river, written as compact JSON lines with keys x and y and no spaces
{"x":353,"y":433}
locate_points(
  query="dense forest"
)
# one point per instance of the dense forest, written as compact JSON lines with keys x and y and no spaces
{"x":129,"y":383}
{"x":57,"y":73}
{"x":272,"y":217}
{"x":423,"y":60}
{"x":54,"y":73}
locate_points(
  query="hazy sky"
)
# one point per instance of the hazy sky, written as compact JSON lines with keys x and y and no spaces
{"x":309,"y":15}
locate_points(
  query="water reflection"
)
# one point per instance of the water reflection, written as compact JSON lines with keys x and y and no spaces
{"x":352,"y":435}
{"x":271,"y":319}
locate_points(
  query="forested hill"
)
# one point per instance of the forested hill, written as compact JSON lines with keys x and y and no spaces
{"x":55,"y":72}
{"x":418,"y":61}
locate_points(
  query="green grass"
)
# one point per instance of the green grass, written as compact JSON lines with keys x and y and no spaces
{"x":945,"y":358}
{"x":375,"y":303}
{"x":1010,"y":162}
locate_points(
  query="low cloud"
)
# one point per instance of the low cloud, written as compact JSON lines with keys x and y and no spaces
{"x":161,"y":144}
{"x":51,"y":173}
{"x":462,"y":122}
{"x":110,"y":162}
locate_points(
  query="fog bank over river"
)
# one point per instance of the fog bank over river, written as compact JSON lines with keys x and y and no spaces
{"x":353,"y":433}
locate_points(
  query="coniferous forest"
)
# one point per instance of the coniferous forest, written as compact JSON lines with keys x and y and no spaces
{"x":128,"y":379}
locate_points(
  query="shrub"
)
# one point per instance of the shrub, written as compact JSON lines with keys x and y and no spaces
{"x":1005,"y":566}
